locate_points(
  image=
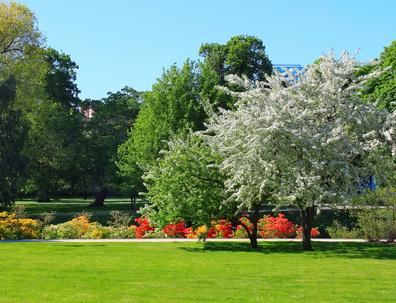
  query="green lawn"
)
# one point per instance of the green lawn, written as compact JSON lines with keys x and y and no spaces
{"x":196,"y":272}
{"x":67,"y":208}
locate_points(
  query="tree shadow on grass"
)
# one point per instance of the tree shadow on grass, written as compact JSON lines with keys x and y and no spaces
{"x":90,"y":245}
{"x":321,"y":249}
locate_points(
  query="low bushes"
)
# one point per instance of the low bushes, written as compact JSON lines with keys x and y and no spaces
{"x":378,"y":224}
{"x":339,"y":231}
{"x":80,"y":227}
{"x":13,"y":228}
{"x":276,"y":227}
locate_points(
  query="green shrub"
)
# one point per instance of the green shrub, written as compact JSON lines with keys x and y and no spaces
{"x":378,"y":224}
{"x":48,"y":217}
{"x":73,"y":229}
{"x":122,"y":232}
{"x":155,"y":234}
{"x":119,"y":219}
{"x":377,"y":217}
{"x":339,"y":231}
{"x":97,"y":231}
{"x":50,"y":232}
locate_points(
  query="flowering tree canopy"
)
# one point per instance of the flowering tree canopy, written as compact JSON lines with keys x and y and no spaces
{"x":305,"y":139}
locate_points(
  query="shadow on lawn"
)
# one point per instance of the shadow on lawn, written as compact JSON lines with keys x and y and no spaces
{"x":89,"y":245}
{"x":321,"y":249}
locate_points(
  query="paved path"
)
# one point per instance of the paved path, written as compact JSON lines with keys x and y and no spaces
{"x":169,"y":240}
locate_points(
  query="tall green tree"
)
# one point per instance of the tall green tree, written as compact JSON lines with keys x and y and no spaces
{"x":241,"y":56}
{"x":55,"y":141}
{"x":60,"y":82}
{"x":172,"y":107}
{"x":112,"y":118}
{"x":382,"y":89}
{"x":12,"y":138}
{"x":18,"y":32}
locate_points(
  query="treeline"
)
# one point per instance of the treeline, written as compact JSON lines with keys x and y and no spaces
{"x":52,"y":143}
{"x":55,"y":144}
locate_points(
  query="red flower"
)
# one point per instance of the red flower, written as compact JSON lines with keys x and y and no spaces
{"x":276,"y":227}
{"x":314,"y":232}
{"x":144,"y":226}
{"x":177,"y":230}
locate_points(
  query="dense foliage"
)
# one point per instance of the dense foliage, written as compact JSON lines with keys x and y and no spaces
{"x":382,"y":88}
{"x":198,"y":152}
{"x":304,"y":140}
{"x":185,"y":183}
{"x":12,"y":136}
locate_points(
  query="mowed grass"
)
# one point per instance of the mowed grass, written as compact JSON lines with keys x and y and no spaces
{"x":196,"y":272}
{"x":65,"y":209}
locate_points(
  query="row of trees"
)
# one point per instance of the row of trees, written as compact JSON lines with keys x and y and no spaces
{"x":203,"y":151}
{"x":48,"y":145}
{"x":301,"y":140}
{"x":58,"y":150}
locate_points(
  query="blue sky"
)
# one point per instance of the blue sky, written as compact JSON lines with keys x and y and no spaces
{"x":121,"y":42}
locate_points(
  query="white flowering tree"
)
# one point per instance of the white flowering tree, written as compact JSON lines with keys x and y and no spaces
{"x":304,"y":140}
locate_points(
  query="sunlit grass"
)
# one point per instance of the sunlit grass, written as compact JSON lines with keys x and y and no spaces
{"x":196,"y":272}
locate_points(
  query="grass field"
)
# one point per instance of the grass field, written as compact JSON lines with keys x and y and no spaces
{"x":66,"y":209}
{"x":196,"y":272}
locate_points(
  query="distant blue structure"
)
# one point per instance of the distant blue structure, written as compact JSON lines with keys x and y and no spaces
{"x":372,"y":184}
{"x":294,"y":68}
{"x":368,"y":184}
{"x":286,"y":69}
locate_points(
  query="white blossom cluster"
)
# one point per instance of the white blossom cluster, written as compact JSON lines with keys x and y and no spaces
{"x":304,"y":141}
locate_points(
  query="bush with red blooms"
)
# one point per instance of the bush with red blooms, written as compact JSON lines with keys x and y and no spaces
{"x":144,"y":226}
{"x":276,"y":227}
{"x":177,"y":230}
{"x":314,"y":232}
{"x":220,"y":229}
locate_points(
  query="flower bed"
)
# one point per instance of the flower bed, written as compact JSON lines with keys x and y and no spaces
{"x":80,"y":227}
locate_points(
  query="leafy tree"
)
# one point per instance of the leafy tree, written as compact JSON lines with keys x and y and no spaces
{"x":172,"y":107}
{"x":382,"y":89}
{"x":18,"y":32}
{"x":55,"y":142}
{"x":12,"y":138}
{"x":105,"y":131}
{"x":185,"y":184}
{"x":20,"y":53}
{"x":55,"y":151}
{"x":307,"y":143}
{"x":60,"y":80}
{"x":242,"y":56}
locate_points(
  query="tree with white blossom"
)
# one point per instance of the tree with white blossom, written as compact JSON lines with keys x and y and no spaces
{"x":303,"y":140}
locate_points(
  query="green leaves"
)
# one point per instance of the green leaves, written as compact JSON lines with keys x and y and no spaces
{"x":382,"y":89}
{"x":12,"y":138}
{"x":185,"y":183}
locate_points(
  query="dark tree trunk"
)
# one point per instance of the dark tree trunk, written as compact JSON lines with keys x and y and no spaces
{"x":254,"y":218}
{"x":100,"y":198}
{"x":306,"y":224}
{"x":133,"y":195}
